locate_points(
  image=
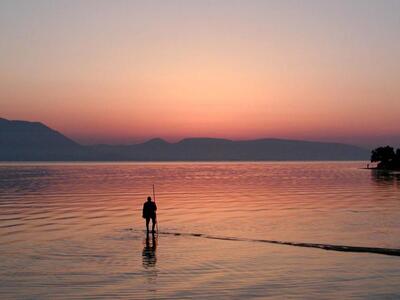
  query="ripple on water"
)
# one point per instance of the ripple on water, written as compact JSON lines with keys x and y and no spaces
{"x":64,"y":230}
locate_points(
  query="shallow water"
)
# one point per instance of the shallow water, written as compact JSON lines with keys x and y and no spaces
{"x":74,"y":231}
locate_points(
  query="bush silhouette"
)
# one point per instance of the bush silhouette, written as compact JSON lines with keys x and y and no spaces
{"x":386,"y":158}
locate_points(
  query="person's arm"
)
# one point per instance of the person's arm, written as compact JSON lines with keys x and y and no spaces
{"x":143,"y":211}
{"x":155,"y":206}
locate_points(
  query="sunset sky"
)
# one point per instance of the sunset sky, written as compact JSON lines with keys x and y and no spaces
{"x":127,"y":71}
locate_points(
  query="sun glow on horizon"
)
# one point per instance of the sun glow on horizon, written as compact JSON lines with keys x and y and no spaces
{"x":129,"y":71}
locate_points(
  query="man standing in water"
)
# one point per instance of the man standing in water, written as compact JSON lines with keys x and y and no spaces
{"x":149,"y":212}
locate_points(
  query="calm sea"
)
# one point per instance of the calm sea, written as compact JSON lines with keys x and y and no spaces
{"x":74,"y":231}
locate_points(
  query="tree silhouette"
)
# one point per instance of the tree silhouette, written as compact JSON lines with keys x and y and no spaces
{"x":386,"y":157}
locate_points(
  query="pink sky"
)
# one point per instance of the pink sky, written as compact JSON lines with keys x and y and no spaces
{"x":119,"y":72}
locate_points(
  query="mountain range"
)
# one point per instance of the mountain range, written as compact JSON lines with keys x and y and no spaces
{"x":34,"y":141}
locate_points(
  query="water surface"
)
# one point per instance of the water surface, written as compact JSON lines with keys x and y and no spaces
{"x":74,"y":230}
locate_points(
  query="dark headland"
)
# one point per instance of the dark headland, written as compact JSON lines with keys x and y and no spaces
{"x":387,"y":158}
{"x":34,"y":141}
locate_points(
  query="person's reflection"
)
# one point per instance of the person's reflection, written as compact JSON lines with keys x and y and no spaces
{"x":149,"y":252}
{"x":149,"y":262}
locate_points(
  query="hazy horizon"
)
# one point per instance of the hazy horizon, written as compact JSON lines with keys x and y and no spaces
{"x":365,"y":142}
{"x":379,"y":141}
{"x":119,"y":72}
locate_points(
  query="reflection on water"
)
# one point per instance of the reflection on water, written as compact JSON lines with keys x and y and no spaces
{"x":386,"y":177}
{"x":149,"y":262}
{"x":64,"y":231}
{"x":149,"y":251}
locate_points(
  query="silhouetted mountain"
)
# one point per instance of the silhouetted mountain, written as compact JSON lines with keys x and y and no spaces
{"x":20,"y":140}
{"x":208,"y":149}
{"x":157,"y":142}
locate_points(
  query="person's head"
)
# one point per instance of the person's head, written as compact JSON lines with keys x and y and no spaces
{"x":148,"y":199}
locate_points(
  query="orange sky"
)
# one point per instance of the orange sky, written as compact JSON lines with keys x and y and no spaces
{"x":119,"y":72}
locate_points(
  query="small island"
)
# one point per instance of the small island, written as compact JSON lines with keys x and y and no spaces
{"x":387,"y":158}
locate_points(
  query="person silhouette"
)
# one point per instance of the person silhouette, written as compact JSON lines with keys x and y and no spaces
{"x":149,"y":212}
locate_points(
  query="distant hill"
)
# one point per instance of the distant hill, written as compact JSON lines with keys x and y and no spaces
{"x":206,"y":149}
{"x":22,"y":141}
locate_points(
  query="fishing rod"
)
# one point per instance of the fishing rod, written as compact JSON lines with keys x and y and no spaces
{"x":154,"y":197}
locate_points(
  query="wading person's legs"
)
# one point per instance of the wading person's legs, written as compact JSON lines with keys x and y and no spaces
{"x":147,"y":224}
{"x":153,"y":223}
